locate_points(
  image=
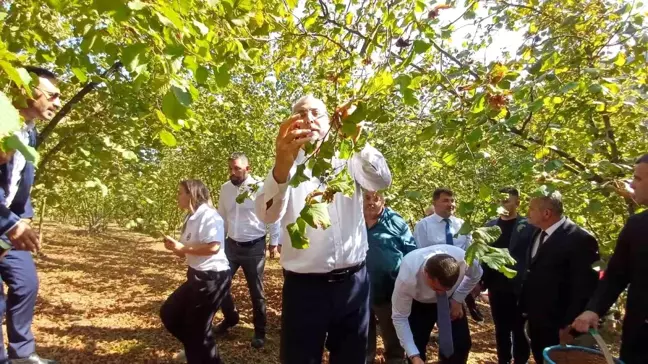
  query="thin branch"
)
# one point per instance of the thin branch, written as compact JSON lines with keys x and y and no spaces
{"x":455,"y":60}
{"x":89,"y":87}
{"x":611,"y":139}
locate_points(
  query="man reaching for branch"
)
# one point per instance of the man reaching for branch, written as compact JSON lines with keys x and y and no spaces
{"x":326,"y":290}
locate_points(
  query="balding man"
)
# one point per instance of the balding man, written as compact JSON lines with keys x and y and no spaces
{"x":559,"y":279}
{"x":326,"y":289}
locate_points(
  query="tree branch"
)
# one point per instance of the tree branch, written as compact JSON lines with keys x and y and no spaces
{"x":454,"y":59}
{"x":611,"y":139}
{"x":89,"y":87}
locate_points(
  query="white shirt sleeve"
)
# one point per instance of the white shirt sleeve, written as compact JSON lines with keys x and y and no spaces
{"x":470,"y":280}
{"x":369,"y":168}
{"x":211,"y":229}
{"x":401,"y":309}
{"x":275,"y":230}
{"x":419,"y":234}
{"x":275,"y":192}
{"x":222,"y":209}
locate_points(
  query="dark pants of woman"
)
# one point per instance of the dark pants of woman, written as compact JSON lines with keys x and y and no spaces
{"x":188,"y":313}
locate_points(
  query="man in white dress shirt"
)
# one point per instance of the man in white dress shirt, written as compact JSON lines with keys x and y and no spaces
{"x":430,"y":289}
{"x":245,"y":245}
{"x":326,"y":289}
{"x":440,"y":228}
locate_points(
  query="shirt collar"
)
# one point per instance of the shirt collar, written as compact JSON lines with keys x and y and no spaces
{"x":439,"y":219}
{"x":555,"y":226}
{"x":199,"y":211}
{"x":29,"y":125}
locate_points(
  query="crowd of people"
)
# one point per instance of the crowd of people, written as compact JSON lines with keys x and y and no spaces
{"x":366,"y":271}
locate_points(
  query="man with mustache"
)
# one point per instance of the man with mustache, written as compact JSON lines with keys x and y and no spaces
{"x":325,"y":298}
{"x":17,"y":268}
{"x":245,"y":245}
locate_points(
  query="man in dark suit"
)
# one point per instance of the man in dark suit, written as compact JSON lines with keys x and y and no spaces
{"x":559,"y":279}
{"x":627,"y":269}
{"x":17,"y":267}
{"x":503,"y":292}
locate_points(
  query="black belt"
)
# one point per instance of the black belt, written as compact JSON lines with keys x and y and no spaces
{"x":338,"y":275}
{"x":246,"y":244}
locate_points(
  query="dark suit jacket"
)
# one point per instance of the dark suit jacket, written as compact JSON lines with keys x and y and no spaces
{"x":518,"y":247}
{"x":21,"y":206}
{"x":628,"y":267}
{"x":560,"y":279}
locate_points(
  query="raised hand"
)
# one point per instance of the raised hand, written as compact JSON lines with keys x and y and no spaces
{"x":293,"y":134}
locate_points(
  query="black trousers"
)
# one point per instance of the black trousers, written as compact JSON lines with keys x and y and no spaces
{"x":316,"y":312}
{"x":509,"y":328}
{"x":634,"y":343}
{"x":188,"y":313}
{"x":252,"y":260}
{"x":542,"y":336}
{"x":422,"y":320}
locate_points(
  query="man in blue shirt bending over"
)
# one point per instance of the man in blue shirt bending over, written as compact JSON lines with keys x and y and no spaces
{"x":389,"y":240}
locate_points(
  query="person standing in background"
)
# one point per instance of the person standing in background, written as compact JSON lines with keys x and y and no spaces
{"x":245,"y":248}
{"x":559,"y":279}
{"x":503,"y":292}
{"x":389,"y":240}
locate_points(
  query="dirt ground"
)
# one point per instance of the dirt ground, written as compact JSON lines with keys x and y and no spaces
{"x":100,"y":296}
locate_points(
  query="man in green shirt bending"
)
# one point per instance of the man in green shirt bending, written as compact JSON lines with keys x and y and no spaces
{"x":390,"y":239}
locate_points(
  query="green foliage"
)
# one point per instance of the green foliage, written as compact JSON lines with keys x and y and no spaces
{"x":205,"y":78}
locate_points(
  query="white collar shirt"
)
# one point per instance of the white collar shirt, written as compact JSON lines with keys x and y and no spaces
{"x":205,"y":226}
{"x":549,"y":232}
{"x":241,"y":221}
{"x":431,"y":231}
{"x":344,"y":243}
{"x":411,"y":286}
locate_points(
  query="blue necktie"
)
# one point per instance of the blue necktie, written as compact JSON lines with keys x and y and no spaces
{"x":449,"y":240}
{"x":444,"y":325}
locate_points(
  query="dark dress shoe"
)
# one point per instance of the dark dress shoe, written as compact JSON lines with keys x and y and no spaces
{"x":32,"y":359}
{"x":258,"y":342}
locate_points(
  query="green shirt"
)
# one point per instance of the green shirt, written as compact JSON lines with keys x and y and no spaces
{"x":389,"y":240}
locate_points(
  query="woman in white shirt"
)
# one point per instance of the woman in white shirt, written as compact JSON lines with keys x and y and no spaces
{"x":188,"y":312}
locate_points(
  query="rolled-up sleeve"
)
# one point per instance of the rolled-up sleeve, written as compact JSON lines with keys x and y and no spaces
{"x":470,"y":280}
{"x":277,"y":194}
{"x":401,"y":310}
{"x":369,"y":168}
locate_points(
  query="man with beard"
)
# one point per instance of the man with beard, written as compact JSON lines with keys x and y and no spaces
{"x":245,"y":244}
{"x":17,"y":268}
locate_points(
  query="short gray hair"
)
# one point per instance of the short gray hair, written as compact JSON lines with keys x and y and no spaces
{"x":553,"y":202}
{"x":309,"y":98}
{"x":238,"y":156}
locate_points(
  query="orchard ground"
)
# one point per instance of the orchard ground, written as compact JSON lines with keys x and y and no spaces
{"x":100,"y":296}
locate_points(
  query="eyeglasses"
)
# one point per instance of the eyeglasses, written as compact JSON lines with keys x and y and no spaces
{"x":50,"y":95}
{"x":317,"y":113}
